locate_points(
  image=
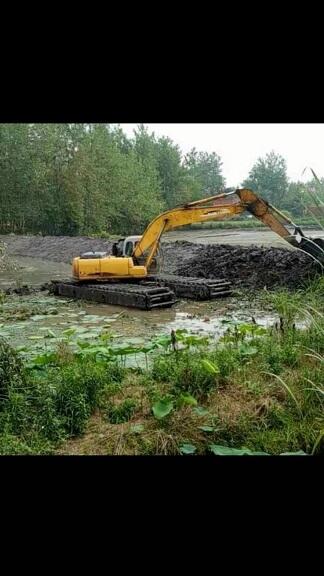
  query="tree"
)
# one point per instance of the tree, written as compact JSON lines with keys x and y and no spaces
{"x":168,"y":162}
{"x":15,"y":176}
{"x":88,"y":178}
{"x":164,"y":156}
{"x":295,"y":199}
{"x":268,"y":178}
{"x":206,"y":170}
{"x":198,"y":175}
{"x":58,"y":205}
{"x":119,"y":193}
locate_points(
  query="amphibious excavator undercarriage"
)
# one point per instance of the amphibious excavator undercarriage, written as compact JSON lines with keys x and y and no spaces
{"x":129,"y":276}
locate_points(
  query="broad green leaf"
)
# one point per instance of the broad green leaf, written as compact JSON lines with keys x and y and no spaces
{"x":201,"y":411}
{"x":206,"y":428}
{"x":69,"y":332}
{"x":210,"y":367}
{"x":163,"y":341}
{"x":124,"y":351}
{"x":248,"y":350}
{"x":50,"y":334}
{"x":299,"y":453}
{"x":226,"y":451}
{"x":187,"y":449}
{"x":187,"y":399}
{"x":147,"y":349}
{"x":162,"y":408}
{"x":260,"y":330}
{"x":91,"y":318}
{"x":82,"y":344}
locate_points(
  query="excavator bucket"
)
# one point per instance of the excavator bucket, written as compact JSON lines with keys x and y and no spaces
{"x":312,"y":246}
{"x":281,"y":224}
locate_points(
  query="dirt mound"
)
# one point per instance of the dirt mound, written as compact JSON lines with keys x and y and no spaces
{"x":65,"y":248}
{"x":251,"y":266}
{"x":55,"y":248}
{"x":172,"y":254}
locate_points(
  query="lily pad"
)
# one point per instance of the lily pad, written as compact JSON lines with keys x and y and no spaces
{"x":201,"y":411}
{"x":187,"y":449}
{"x":226,"y":451}
{"x":162,"y":409}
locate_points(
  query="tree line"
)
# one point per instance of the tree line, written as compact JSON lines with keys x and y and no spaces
{"x":90,"y":178}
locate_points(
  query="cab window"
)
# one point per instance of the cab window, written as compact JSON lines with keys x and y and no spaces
{"x":129,"y":248}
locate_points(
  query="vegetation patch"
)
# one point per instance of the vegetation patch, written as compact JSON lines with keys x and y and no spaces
{"x":254,"y":391}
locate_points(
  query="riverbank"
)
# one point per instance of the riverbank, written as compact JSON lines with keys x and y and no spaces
{"x":253,"y":390}
{"x":238,"y":259}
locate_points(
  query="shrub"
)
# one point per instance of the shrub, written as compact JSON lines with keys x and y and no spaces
{"x":186,"y":371}
{"x":117,"y":414}
{"x":11,"y":370}
{"x":11,"y":445}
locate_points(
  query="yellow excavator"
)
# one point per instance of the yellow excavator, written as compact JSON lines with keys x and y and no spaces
{"x":128,"y":276}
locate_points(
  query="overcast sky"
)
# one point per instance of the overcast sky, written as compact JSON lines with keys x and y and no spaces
{"x":239,"y":145}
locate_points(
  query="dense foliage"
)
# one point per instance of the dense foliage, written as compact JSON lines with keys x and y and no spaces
{"x":72,"y":179}
{"x":88,"y":178}
{"x":254,"y":390}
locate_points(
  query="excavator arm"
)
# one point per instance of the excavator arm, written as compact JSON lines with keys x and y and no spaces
{"x":126,"y":280}
{"x":100,"y":266}
{"x":220,"y":207}
{"x":277,"y":221}
{"x":201,"y":211}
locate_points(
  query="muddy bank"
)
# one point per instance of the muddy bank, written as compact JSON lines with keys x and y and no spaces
{"x":55,"y":248}
{"x":65,"y":248}
{"x":252,"y":266}
{"x":245,"y":266}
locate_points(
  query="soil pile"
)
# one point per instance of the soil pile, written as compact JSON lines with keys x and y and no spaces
{"x":55,"y":248}
{"x":251,"y":266}
{"x":248,"y":266}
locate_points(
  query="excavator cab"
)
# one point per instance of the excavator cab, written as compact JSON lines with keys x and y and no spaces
{"x":125,"y":246}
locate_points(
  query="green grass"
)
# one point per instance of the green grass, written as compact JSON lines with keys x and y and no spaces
{"x":255,"y":390}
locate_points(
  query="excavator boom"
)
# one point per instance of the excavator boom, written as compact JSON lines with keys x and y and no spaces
{"x":277,"y":221}
{"x":220,"y":207}
{"x":195,"y":212}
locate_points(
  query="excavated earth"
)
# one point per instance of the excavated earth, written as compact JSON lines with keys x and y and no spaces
{"x":250,"y":266}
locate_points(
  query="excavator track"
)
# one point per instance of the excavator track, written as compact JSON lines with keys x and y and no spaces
{"x":195,"y":288}
{"x":139,"y":295}
{"x":155,"y":292}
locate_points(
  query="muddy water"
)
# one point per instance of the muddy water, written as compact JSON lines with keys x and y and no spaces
{"x":43,"y":331}
{"x":126,"y":324}
{"x":259,"y":237}
{"x":32,"y":271}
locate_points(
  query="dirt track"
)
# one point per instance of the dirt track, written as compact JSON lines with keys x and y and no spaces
{"x":249,"y":266}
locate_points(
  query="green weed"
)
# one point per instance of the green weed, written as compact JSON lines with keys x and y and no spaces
{"x":117,"y":414}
